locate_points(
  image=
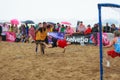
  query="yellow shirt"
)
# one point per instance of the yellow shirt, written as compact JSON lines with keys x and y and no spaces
{"x":41,"y":35}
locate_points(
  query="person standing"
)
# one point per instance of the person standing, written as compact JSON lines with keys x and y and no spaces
{"x":4,"y":30}
{"x":116,"y":51}
{"x":27,"y":33}
{"x":88,"y":30}
{"x":0,"y":32}
{"x":113,"y":28}
{"x":41,"y":36}
{"x":81,"y":28}
{"x":95,"y":30}
{"x":106,"y":28}
{"x":32,"y":33}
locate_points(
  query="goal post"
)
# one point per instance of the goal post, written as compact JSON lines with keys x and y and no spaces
{"x":100,"y":5}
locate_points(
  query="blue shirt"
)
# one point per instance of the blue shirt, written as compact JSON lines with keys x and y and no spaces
{"x":117,"y":45}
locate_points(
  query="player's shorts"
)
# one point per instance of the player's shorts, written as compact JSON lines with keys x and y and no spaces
{"x":62,"y":43}
{"x":113,"y":54}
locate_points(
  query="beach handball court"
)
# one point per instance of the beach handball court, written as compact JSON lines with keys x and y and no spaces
{"x":18,"y":61}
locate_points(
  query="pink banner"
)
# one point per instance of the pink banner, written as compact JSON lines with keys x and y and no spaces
{"x":105,"y":39}
{"x":96,"y":39}
{"x":10,"y":36}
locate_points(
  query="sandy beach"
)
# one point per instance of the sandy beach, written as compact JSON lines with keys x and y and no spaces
{"x":18,"y":61}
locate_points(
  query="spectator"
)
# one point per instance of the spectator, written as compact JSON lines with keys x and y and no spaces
{"x":26,"y":33}
{"x":95,"y":31}
{"x":0,"y":32}
{"x":78,"y":22}
{"x":23,"y":32}
{"x":81,"y":28}
{"x":58,"y":27}
{"x":4,"y":30}
{"x":22,"y":29}
{"x":62,"y":28}
{"x":106,"y":28}
{"x":95,"y":28}
{"x":18,"y":36}
{"x":69,"y":31}
{"x":88,"y":30}
{"x":11,"y":28}
{"x":32,"y":33}
{"x":50,"y":28}
{"x":15,"y":29}
{"x":27,"y":30}
{"x":113,"y":28}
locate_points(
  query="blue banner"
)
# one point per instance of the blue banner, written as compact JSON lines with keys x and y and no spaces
{"x":56,"y":35}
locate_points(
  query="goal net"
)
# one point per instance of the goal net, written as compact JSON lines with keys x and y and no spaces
{"x":110,"y":15}
{"x":107,"y":13}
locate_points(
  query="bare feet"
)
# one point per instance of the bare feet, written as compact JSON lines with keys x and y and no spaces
{"x":64,"y":50}
{"x":106,"y":63}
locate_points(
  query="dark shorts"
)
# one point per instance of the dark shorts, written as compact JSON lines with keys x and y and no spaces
{"x":54,"y":44}
{"x":62,"y":43}
{"x":3,"y":37}
{"x":17,"y":40}
{"x":38,"y":41}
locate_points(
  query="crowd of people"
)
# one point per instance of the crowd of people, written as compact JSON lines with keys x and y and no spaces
{"x":25,"y":33}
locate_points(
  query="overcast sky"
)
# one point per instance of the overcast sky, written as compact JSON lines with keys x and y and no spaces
{"x":51,"y":9}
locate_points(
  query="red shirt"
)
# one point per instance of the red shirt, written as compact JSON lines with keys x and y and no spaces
{"x":88,"y":30}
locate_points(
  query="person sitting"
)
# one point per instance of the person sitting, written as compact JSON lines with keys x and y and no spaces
{"x":116,"y":51}
{"x":18,"y":36}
